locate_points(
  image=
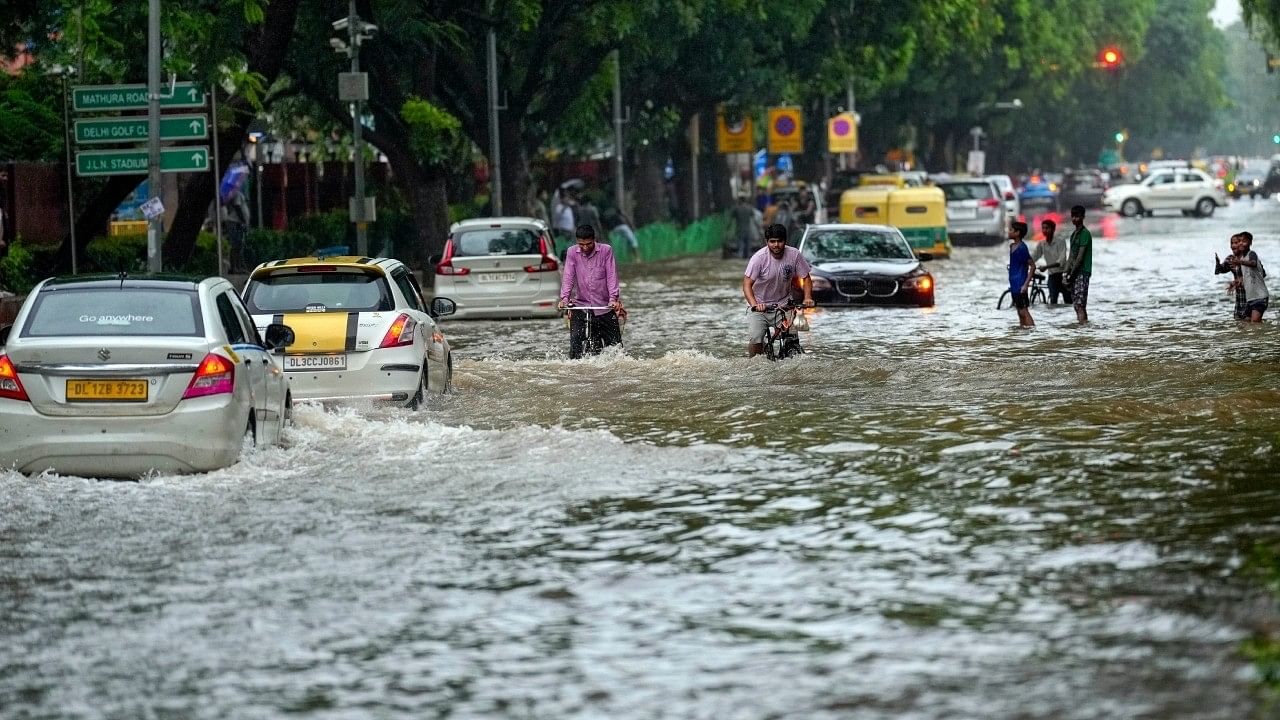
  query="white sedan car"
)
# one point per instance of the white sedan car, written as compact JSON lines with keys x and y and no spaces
{"x":117,"y":377}
{"x":500,"y":268}
{"x":1186,"y":189}
{"x":361,"y":329}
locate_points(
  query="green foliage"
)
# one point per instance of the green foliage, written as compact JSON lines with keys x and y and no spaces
{"x":17,"y":269}
{"x":262,"y":245}
{"x":434,"y":133}
{"x":129,"y":253}
{"x":327,"y":229}
{"x":32,"y":127}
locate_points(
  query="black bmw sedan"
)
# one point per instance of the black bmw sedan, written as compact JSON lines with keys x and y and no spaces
{"x":864,"y":265}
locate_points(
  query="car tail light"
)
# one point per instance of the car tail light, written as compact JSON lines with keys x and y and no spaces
{"x":10,"y":385}
{"x":400,"y":333}
{"x":990,"y":203}
{"x":445,"y":266}
{"x":548,"y":263}
{"x":216,"y":375}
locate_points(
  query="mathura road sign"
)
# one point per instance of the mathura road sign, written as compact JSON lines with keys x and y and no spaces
{"x":134,"y":97}
{"x":134,"y":129}
{"x":193,"y":158}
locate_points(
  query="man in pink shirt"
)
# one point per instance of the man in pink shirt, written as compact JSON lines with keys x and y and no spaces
{"x":591,"y":279}
{"x":767,"y":281}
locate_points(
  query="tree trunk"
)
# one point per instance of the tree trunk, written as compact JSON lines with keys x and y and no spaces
{"x":424,"y":187}
{"x":90,"y":223}
{"x":266,"y":49}
{"x":516,"y":178}
{"x":650,"y":203}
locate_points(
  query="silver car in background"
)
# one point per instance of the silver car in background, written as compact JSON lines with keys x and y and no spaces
{"x":975,"y":211}
{"x":118,"y":377}
{"x":500,"y":268}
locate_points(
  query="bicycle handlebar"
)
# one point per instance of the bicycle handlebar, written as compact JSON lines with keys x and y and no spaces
{"x":587,"y":307}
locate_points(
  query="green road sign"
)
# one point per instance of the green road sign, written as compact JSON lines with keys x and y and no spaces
{"x":192,"y":158}
{"x":134,"y":97}
{"x":134,"y":129}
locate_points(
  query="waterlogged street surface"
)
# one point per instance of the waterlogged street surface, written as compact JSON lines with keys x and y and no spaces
{"x":932,"y":515}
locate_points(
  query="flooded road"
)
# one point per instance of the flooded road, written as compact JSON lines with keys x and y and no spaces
{"x":933,"y":514}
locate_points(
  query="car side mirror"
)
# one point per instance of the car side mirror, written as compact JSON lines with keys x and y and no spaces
{"x":278,"y":337}
{"x":924,"y":256}
{"x":434,"y":259}
{"x":442,"y":306}
{"x":4,"y":334}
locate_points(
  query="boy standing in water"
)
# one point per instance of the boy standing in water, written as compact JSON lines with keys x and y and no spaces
{"x":1220,"y":267}
{"x":1252,"y":273}
{"x":1021,"y":268}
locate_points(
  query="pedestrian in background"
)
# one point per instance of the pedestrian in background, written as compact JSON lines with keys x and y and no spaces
{"x":1080,"y":264}
{"x":538,"y":206}
{"x":1235,"y":286}
{"x":589,"y":215}
{"x":746,"y":226}
{"x":622,"y":225}
{"x":1054,"y":253}
{"x":562,"y":215}
{"x":1021,"y":269}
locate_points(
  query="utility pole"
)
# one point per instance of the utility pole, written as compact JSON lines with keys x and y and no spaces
{"x":353,"y":87}
{"x":362,"y":225}
{"x":153,"y":133}
{"x":619,"y":188}
{"x":495,"y":144}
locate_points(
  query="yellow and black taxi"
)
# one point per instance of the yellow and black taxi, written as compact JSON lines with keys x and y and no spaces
{"x":362,"y":331}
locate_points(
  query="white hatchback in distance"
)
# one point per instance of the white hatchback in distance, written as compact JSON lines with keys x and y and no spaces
{"x":116,"y":377}
{"x":1187,"y":189}
{"x":500,"y":268}
{"x":361,"y":329}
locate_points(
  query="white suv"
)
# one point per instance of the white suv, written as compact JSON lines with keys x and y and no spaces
{"x":1186,"y":189}
{"x":502,"y":267}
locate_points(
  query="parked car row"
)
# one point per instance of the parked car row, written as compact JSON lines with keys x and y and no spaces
{"x":113,"y":376}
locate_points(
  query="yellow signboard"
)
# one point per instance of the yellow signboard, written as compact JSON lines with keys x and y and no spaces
{"x":786,"y":130}
{"x":734,"y":137}
{"x":842,"y":133}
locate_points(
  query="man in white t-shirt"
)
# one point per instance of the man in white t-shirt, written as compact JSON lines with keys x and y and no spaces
{"x":767,"y":281}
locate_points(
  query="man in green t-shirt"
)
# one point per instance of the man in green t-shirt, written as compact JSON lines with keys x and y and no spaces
{"x":1080,"y":264}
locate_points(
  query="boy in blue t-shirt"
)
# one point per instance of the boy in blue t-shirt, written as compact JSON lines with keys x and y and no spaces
{"x":1021,"y":268}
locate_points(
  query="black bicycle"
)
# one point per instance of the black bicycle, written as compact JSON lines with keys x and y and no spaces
{"x":1038,"y":292}
{"x":780,"y":342}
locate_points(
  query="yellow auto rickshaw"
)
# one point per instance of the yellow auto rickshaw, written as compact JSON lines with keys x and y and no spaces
{"x":887,"y":180}
{"x":919,"y":212}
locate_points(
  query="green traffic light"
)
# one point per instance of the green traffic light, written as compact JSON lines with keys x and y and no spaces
{"x":1120,"y":137}
{"x":1275,"y":139}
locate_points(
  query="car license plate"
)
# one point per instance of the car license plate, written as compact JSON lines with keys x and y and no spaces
{"x":496,"y":277}
{"x":106,"y":390}
{"x":962,"y":213}
{"x":299,"y":363}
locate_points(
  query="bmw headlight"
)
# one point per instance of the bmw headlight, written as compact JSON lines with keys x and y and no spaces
{"x":821,"y":283}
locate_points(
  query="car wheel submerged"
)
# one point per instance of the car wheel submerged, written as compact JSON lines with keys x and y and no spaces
{"x":415,"y":402}
{"x":1131,"y":208}
{"x":1205,"y":207}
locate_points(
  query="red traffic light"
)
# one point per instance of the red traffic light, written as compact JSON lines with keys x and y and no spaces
{"x":1110,"y":57}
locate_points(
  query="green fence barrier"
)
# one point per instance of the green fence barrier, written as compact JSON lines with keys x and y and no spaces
{"x":660,"y":241}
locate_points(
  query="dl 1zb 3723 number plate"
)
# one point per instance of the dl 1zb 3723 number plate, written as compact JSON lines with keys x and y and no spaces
{"x":84,"y":390}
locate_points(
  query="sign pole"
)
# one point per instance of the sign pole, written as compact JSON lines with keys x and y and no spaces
{"x":217,"y":174}
{"x":153,"y":133}
{"x":71,"y":197}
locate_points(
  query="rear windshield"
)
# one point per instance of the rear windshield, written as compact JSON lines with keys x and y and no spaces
{"x":832,"y":245}
{"x":115,"y":312}
{"x":496,"y":241}
{"x":967,"y":191}
{"x":318,"y":292}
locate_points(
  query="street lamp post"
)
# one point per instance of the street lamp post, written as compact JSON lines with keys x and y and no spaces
{"x":353,"y":87}
{"x":153,"y":133}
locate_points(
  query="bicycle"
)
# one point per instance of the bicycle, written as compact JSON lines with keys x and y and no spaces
{"x":1037,"y":292}
{"x":779,"y":342}
{"x":591,"y":345}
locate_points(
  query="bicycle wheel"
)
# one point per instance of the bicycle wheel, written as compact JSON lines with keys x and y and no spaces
{"x":1037,"y":295}
{"x":791,"y":347}
{"x":1000,"y":302}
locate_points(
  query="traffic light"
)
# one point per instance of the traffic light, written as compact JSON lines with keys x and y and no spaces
{"x":1275,"y":139}
{"x":1110,"y":58}
{"x":1120,"y":137}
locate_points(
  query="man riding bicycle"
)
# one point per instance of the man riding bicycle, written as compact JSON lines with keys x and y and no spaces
{"x":767,"y":282}
{"x":591,"y":280}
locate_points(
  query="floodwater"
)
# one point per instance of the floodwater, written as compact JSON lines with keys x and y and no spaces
{"x":933,"y":514}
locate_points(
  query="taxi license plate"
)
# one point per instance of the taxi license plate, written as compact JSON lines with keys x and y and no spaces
{"x":297,"y":363}
{"x":496,"y":277}
{"x":85,"y":390}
